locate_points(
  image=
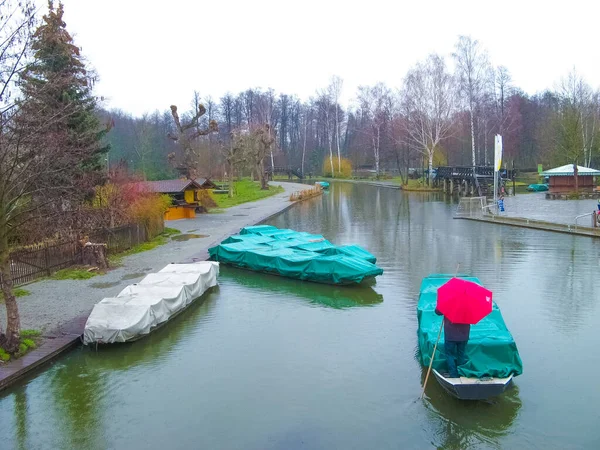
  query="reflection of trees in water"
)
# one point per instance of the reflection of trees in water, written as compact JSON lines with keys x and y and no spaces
{"x":78,"y":389}
{"x":414,"y":235}
{"x":573,"y":261}
{"x":333,"y":296}
{"x":81,"y":383}
{"x":21,"y":418}
{"x":462,"y":424}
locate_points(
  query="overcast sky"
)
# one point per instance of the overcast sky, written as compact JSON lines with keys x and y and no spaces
{"x":150,"y":54}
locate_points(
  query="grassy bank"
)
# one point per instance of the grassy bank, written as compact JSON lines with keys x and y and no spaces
{"x":19,"y":292}
{"x":161,"y":239}
{"x":30,"y":339}
{"x":245,"y":191}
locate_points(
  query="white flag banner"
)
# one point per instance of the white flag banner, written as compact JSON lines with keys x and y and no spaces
{"x":498,"y":153}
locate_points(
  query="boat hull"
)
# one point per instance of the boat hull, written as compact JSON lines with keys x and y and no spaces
{"x":473,"y":388}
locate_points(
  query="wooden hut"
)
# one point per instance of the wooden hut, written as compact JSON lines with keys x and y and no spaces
{"x":184,"y":195}
{"x":562,"y":179}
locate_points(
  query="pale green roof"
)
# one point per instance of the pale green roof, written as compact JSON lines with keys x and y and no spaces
{"x":568,"y":171}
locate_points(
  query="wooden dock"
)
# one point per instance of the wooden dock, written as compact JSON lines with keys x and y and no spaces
{"x":59,"y":342}
{"x":577,"y":230}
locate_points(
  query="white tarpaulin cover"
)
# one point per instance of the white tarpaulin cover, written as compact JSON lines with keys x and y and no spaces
{"x":140,"y":307}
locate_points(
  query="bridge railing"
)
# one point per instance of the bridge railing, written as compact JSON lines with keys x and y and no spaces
{"x":466,"y":172}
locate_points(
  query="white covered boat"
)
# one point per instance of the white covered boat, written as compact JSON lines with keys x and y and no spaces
{"x":140,"y":308}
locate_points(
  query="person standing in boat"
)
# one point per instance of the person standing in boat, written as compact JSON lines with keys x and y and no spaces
{"x":456,"y":336}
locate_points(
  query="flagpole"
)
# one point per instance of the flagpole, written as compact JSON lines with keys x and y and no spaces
{"x":497,"y":165}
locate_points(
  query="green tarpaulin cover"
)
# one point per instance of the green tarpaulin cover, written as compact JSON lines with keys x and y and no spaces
{"x":294,"y":254}
{"x":491,"y":350}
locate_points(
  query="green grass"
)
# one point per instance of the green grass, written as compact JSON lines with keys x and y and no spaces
{"x":161,"y":239}
{"x":30,"y":333}
{"x":170,"y":231}
{"x":26,"y":345}
{"x":29,"y":343}
{"x":245,"y":191}
{"x":19,"y":292}
{"x":73,"y":273}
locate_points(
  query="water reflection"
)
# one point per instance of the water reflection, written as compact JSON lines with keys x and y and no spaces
{"x":458,"y":424}
{"x":158,"y":345}
{"x":269,"y":362}
{"x":337,"y":297}
{"x":21,"y":419}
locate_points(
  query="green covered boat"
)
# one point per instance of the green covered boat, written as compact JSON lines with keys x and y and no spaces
{"x":492,"y":356}
{"x":293,"y":254}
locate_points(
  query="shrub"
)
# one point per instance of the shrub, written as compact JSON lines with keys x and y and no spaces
{"x":205,"y":199}
{"x":29,"y":343}
{"x":4,"y":356}
{"x":149,"y":210}
{"x":340,"y":171}
{"x":22,"y":348}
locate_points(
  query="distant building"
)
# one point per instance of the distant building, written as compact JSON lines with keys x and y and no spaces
{"x":562,"y":179}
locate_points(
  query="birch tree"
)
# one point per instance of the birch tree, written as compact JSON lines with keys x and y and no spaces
{"x":471,"y":71}
{"x":374,"y":102}
{"x":335,"y":89}
{"x":429,"y":96}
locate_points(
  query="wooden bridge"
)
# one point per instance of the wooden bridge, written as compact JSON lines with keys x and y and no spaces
{"x":470,"y":181}
{"x":281,"y":170}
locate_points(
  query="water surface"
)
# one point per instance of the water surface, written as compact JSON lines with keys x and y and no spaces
{"x":270,"y":363}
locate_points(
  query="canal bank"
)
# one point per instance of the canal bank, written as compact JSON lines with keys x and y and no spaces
{"x":59,"y":308}
{"x":265,"y":362}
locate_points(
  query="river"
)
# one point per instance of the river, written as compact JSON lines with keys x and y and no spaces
{"x":269,"y":363}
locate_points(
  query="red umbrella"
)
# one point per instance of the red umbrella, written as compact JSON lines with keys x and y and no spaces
{"x":462,"y":301}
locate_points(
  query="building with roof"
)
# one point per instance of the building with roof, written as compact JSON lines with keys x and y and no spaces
{"x":184,"y":194}
{"x":562,"y":179}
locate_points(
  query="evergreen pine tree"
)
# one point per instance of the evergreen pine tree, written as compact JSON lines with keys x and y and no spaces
{"x":57,"y":84}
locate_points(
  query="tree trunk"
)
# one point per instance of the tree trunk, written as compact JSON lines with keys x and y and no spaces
{"x":230,"y":187}
{"x":575,"y":172}
{"x":304,"y":147}
{"x":331,"y":156}
{"x":11,"y":338}
{"x":94,"y":255}
{"x":430,"y":177}
{"x":337,"y":138}
{"x":261,"y":175}
{"x":472,"y":136}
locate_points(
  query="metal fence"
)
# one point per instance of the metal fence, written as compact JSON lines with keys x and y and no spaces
{"x":42,"y":260}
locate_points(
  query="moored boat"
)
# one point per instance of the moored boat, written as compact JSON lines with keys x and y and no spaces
{"x":142,"y":307}
{"x":324,"y":184}
{"x":492,"y":356}
{"x":293,"y":254}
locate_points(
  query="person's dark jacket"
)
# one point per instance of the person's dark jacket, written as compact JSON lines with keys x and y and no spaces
{"x":455,"y":332}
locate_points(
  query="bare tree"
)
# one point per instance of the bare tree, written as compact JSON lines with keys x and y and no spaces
{"x":577,"y":121}
{"x":472,"y":71}
{"x":236,"y":153}
{"x":185,"y":135}
{"x":429,"y":97}
{"x":374,"y":103}
{"x":335,"y":89}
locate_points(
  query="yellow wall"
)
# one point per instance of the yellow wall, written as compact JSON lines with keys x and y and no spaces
{"x":189,"y":195}
{"x":180,"y":212}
